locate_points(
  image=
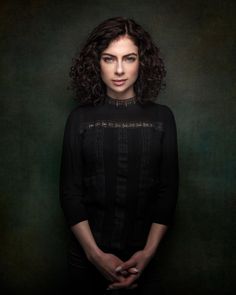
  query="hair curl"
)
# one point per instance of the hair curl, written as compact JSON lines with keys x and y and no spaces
{"x":85,"y":70}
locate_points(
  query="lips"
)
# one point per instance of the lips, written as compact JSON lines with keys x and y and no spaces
{"x":119,"y":82}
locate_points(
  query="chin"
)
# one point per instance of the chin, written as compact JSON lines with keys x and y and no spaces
{"x":120,"y":89}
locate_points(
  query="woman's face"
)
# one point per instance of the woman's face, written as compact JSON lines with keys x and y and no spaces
{"x":119,"y":66}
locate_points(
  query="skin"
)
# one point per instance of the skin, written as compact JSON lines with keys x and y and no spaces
{"x":119,"y":60}
{"x":121,"y":274}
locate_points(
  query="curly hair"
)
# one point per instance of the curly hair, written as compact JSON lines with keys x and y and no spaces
{"x":85,"y":70}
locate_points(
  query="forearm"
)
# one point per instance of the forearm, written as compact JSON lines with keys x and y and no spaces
{"x":106,"y":263}
{"x":139,"y":260}
{"x":85,"y":237}
{"x":156,"y":233}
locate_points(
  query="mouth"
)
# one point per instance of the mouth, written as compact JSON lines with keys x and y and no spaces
{"x":119,"y":82}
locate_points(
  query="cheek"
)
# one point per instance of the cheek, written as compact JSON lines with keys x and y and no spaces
{"x":105,"y":72}
{"x":135,"y":70}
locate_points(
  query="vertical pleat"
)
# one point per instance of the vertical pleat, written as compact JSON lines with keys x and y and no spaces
{"x":121,"y":187}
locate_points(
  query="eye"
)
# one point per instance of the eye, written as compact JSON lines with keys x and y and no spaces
{"x":108,"y":59}
{"x":130,"y":58}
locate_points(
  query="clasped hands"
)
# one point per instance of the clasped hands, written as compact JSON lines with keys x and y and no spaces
{"x":122,"y":274}
{"x":126,"y":277}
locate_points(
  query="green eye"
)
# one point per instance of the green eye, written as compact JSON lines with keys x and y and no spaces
{"x":107,"y":59}
{"x":131,"y":58}
{"x":111,"y":59}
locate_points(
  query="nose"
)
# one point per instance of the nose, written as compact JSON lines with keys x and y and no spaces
{"x":119,"y":68}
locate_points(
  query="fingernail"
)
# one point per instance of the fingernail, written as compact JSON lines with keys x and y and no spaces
{"x":119,"y":268}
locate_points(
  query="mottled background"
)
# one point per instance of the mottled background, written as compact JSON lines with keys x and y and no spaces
{"x":38,"y":41}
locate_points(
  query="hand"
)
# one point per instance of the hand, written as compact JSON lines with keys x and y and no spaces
{"x":134,"y":267}
{"x":107,"y":263}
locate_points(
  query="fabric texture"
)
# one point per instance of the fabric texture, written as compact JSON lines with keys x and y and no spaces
{"x":119,"y":170}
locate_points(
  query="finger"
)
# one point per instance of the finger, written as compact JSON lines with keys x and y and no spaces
{"x":113,"y":277}
{"x":133,"y":270}
{"x":133,"y":286}
{"x":126,"y":283}
{"x":124,"y":272}
{"x":126,"y":265}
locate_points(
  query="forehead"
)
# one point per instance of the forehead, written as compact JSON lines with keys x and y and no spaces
{"x":122,"y":45}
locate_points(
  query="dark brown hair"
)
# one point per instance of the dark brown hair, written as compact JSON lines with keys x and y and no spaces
{"x":85,"y":70}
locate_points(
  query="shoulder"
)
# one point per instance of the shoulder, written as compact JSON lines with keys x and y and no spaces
{"x":73,"y":119}
{"x":78,"y":113}
{"x":163,"y":111}
{"x":77,"y":116}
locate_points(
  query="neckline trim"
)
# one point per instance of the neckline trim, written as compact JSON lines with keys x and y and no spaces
{"x":118,"y":102}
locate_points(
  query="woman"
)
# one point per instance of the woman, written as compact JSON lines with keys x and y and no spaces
{"x":119,"y":166}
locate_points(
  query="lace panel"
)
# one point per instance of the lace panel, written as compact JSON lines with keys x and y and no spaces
{"x":130,"y":124}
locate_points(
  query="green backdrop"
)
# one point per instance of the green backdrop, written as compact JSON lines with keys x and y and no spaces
{"x":38,"y":41}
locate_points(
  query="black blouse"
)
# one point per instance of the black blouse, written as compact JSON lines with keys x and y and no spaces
{"x":119,"y":170}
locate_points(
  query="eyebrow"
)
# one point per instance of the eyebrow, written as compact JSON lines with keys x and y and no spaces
{"x":115,"y":56}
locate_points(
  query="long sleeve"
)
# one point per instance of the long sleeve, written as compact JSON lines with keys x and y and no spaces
{"x":71,"y":172}
{"x":119,"y":170}
{"x":168,"y":173}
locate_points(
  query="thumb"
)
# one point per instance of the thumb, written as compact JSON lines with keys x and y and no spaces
{"x":133,"y":270}
{"x":126,"y":265}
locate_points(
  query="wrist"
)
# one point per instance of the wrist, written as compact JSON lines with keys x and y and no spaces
{"x":149,"y":252}
{"x":93,"y":254}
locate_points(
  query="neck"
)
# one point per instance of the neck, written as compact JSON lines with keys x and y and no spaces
{"x":121,"y":96}
{"x":121,"y":101}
